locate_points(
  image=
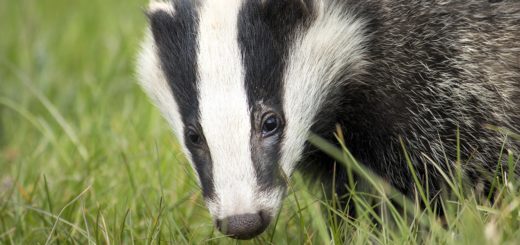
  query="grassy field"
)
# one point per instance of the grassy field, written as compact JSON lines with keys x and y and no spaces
{"x":85,"y":158}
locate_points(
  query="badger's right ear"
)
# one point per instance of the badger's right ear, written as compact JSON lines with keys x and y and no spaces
{"x":156,"y":7}
{"x":161,"y":18}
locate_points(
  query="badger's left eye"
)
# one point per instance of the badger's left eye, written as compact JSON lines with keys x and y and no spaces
{"x":270,"y":125}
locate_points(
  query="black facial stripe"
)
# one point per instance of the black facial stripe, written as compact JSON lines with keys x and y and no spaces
{"x":265,"y":30}
{"x":176,"y":40}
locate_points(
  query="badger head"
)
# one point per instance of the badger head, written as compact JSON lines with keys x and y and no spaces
{"x":241,"y":82}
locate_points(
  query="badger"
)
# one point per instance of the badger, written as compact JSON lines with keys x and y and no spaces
{"x":244,"y":83}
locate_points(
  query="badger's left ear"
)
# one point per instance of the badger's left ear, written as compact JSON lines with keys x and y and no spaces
{"x":288,"y":9}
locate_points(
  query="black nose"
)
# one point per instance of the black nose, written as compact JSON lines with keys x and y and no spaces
{"x":244,"y":226}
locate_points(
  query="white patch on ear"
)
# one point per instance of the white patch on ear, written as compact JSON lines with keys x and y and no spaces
{"x":333,"y":42}
{"x":166,"y":6}
{"x":153,"y":81}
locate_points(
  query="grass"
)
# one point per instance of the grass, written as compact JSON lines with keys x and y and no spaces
{"x":84,"y":158}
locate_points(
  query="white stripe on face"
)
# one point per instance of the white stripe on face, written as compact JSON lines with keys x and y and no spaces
{"x":224,"y":112}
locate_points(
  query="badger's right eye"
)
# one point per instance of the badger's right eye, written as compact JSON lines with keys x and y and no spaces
{"x":194,"y":137}
{"x":270,"y":124}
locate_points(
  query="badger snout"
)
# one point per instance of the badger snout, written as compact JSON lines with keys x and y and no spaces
{"x":244,"y":226}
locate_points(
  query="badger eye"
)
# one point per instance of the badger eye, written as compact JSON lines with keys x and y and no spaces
{"x":270,"y":125}
{"x":194,"y":137}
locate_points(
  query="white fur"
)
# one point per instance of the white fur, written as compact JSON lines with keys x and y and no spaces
{"x":333,"y":42}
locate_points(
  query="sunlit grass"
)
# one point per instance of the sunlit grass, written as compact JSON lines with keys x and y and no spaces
{"x":85,"y":158}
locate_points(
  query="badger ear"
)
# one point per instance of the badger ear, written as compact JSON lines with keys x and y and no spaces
{"x":287,"y":13}
{"x":294,"y":8}
{"x":155,"y":7}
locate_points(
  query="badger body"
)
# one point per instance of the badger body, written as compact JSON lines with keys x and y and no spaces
{"x":243,"y":83}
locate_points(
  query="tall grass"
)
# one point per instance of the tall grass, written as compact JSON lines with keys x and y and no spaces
{"x":84,"y":158}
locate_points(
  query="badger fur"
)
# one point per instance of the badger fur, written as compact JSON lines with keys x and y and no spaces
{"x":243,"y":83}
